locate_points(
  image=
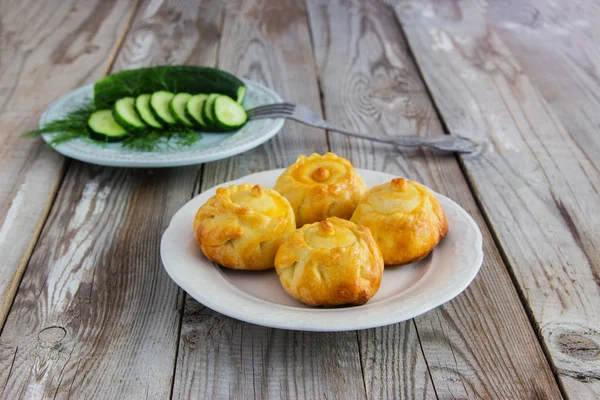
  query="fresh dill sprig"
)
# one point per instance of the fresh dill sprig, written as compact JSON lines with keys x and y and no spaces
{"x":151,"y":140}
{"x":134,"y":83}
{"x":75,"y":125}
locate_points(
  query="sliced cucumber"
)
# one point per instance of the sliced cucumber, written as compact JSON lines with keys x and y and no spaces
{"x":104,"y":127}
{"x":125,"y":114}
{"x":208,"y":111}
{"x":142,"y":105}
{"x":159,"y":104}
{"x":228,"y":113}
{"x":194,"y":109}
{"x":177,"y":108}
{"x":241,"y":93}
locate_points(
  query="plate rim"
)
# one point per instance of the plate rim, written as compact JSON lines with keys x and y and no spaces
{"x":72,"y":152}
{"x":290,"y":323}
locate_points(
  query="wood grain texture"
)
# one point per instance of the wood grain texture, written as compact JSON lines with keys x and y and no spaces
{"x":236,"y":360}
{"x":96,"y":315}
{"x":176,"y":32}
{"x":41,"y":41}
{"x":393,"y":363}
{"x":555,"y":44}
{"x":537,"y":187}
{"x":220,"y":357}
{"x":481,"y":344}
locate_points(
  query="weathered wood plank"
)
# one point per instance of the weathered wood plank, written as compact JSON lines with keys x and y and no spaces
{"x":556,"y":44}
{"x":536,"y":186}
{"x":96,"y":315}
{"x":481,"y":344}
{"x":50,"y":39}
{"x":224,"y":358}
{"x":393,"y":363}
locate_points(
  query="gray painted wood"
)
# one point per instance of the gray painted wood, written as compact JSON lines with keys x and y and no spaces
{"x":555,"y":44}
{"x":220,"y":357}
{"x":223,"y":358}
{"x":96,"y":315}
{"x":537,"y":187}
{"x":481,"y":344}
{"x":48,"y":40}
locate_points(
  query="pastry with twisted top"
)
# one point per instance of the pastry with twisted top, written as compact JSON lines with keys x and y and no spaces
{"x":321,"y":186}
{"x":330,"y":263}
{"x":241,"y":227}
{"x":405,"y":219}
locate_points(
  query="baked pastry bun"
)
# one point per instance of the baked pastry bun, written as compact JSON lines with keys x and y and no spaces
{"x":241,"y":227}
{"x":321,"y":186}
{"x":330,"y":263}
{"x":405,"y":219}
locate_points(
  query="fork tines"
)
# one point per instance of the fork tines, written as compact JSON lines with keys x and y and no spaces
{"x":275,"y":110}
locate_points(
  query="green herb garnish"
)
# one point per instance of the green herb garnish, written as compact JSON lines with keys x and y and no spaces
{"x":149,"y":140}
{"x":75,"y":125}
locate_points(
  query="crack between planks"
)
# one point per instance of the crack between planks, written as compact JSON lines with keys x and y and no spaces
{"x":253,"y":373}
{"x":425,"y":359}
{"x":495,"y":238}
{"x":196,"y":189}
{"x":73,"y":380}
{"x":317,"y":75}
{"x":121,"y":39}
{"x":61,"y":375}
{"x":11,"y":367}
{"x":220,"y":39}
{"x":362,"y":366}
{"x":177,"y":340}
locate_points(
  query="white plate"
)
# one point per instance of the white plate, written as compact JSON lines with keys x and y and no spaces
{"x":211,"y":147}
{"x":257,"y":297}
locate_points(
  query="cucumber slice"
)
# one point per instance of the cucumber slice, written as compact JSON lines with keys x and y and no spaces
{"x":142,"y":105}
{"x":241,"y":93}
{"x":208,"y":111}
{"x":177,"y":108}
{"x":194,"y":108}
{"x":159,"y":104}
{"x":228,"y":113}
{"x":126,"y":116}
{"x":104,"y":127}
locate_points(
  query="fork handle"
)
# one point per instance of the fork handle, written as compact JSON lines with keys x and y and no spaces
{"x":456,"y":143}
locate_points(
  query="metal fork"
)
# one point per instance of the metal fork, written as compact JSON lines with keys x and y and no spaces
{"x":302,"y":114}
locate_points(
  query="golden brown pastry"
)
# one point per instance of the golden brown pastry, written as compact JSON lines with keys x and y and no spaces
{"x":405,"y":219}
{"x":321,"y":186}
{"x":241,"y":227}
{"x":330,"y":263}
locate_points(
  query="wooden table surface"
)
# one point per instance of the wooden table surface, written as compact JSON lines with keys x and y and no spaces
{"x":87,"y":309}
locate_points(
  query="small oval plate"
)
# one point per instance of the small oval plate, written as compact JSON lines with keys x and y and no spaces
{"x":259,"y":298}
{"x":211,"y":147}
